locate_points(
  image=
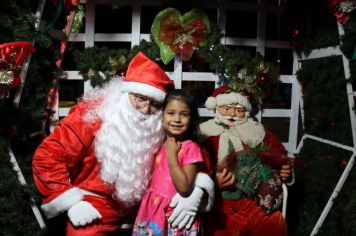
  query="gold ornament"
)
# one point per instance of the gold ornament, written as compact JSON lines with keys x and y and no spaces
{"x":91,"y":73}
{"x":6,"y":77}
{"x":262,"y":68}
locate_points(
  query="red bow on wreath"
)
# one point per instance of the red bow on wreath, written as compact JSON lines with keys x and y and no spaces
{"x":341,"y":9}
{"x":67,"y":3}
{"x":12,"y":56}
{"x":178,"y":35}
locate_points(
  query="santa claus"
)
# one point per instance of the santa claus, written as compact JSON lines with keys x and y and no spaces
{"x":97,"y":162}
{"x":244,"y":155}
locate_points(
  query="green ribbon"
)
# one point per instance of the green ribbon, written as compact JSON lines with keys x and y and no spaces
{"x":55,"y":18}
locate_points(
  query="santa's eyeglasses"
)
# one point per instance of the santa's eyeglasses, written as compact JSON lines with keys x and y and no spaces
{"x":143,"y":101}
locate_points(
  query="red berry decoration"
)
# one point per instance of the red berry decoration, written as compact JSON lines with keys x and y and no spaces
{"x":343,"y":163}
{"x":248,"y":95}
{"x":295,"y":33}
{"x":263,"y":80}
{"x":121,"y":72}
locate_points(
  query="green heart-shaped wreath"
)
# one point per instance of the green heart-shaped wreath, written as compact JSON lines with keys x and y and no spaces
{"x":178,"y":35}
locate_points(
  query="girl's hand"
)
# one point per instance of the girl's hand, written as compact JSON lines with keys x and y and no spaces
{"x":172,"y":146}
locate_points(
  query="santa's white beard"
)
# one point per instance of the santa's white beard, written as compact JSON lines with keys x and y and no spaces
{"x":125,"y":146}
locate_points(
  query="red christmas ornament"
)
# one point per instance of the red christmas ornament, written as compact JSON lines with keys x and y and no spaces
{"x":343,"y":163}
{"x":316,"y":38}
{"x":295,"y":33}
{"x":312,"y":120}
{"x":295,"y":39}
{"x":121,"y":72}
{"x":263,"y":80}
{"x":13,"y":129}
{"x":248,"y":95}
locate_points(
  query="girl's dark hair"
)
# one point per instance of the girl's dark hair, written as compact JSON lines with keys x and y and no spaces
{"x":185,"y":96}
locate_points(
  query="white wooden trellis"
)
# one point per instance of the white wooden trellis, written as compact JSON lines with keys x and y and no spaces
{"x":320,"y":53}
{"x":17,"y":99}
{"x":260,"y":43}
{"x":16,"y":103}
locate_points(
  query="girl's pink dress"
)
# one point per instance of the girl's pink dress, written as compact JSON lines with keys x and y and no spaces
{"x":154,"y":211}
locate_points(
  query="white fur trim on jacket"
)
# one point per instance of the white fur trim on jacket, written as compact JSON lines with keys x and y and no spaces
{"x":205,"y":182}
{"x":62,"y":203}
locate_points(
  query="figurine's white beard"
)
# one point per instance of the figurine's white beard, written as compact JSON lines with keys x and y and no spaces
{"x":125,"y":146}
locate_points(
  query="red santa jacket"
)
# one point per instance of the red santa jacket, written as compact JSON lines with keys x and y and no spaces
{"x":65,"y":162}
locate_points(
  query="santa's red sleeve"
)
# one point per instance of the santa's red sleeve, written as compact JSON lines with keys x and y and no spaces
{"x":56,"y":156}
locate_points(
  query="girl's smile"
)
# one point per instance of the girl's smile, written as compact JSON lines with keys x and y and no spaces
{"x":176,"y":118}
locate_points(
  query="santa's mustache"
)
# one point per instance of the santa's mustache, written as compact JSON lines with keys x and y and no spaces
{"x":232,"y":118}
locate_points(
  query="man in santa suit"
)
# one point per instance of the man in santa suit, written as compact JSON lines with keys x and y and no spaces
{"x":230,"y":138}
{"x":97,"y":162}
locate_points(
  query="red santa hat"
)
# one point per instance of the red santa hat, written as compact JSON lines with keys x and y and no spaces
{"x":145,"y":77}
{"x":224,"y":96}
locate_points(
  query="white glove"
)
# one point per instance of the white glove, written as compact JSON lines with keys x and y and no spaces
{"x":186,"y":208}
{"x":83,"y":213}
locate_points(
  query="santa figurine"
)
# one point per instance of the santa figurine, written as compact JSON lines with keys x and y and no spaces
{"x":249,"y":165}
{"x":97,"y":162}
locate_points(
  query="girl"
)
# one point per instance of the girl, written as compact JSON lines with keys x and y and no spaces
{"x":175,"y":167}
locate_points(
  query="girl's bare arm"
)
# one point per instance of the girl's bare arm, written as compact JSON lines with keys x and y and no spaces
{"x":182,"y":177}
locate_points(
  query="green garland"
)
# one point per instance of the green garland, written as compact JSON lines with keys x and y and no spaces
{"x":348,"y":40}
{"x":233,"y":67}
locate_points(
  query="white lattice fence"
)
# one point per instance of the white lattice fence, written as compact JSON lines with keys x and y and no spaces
{"x":260,"y":43}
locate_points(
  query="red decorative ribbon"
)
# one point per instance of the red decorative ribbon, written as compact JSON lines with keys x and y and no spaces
{"x":334,"y":7}
{"x":12,"y":55}
{"x":67,"y":3}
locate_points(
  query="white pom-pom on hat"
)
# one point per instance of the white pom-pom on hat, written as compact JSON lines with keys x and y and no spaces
{"x":210,"y":103}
